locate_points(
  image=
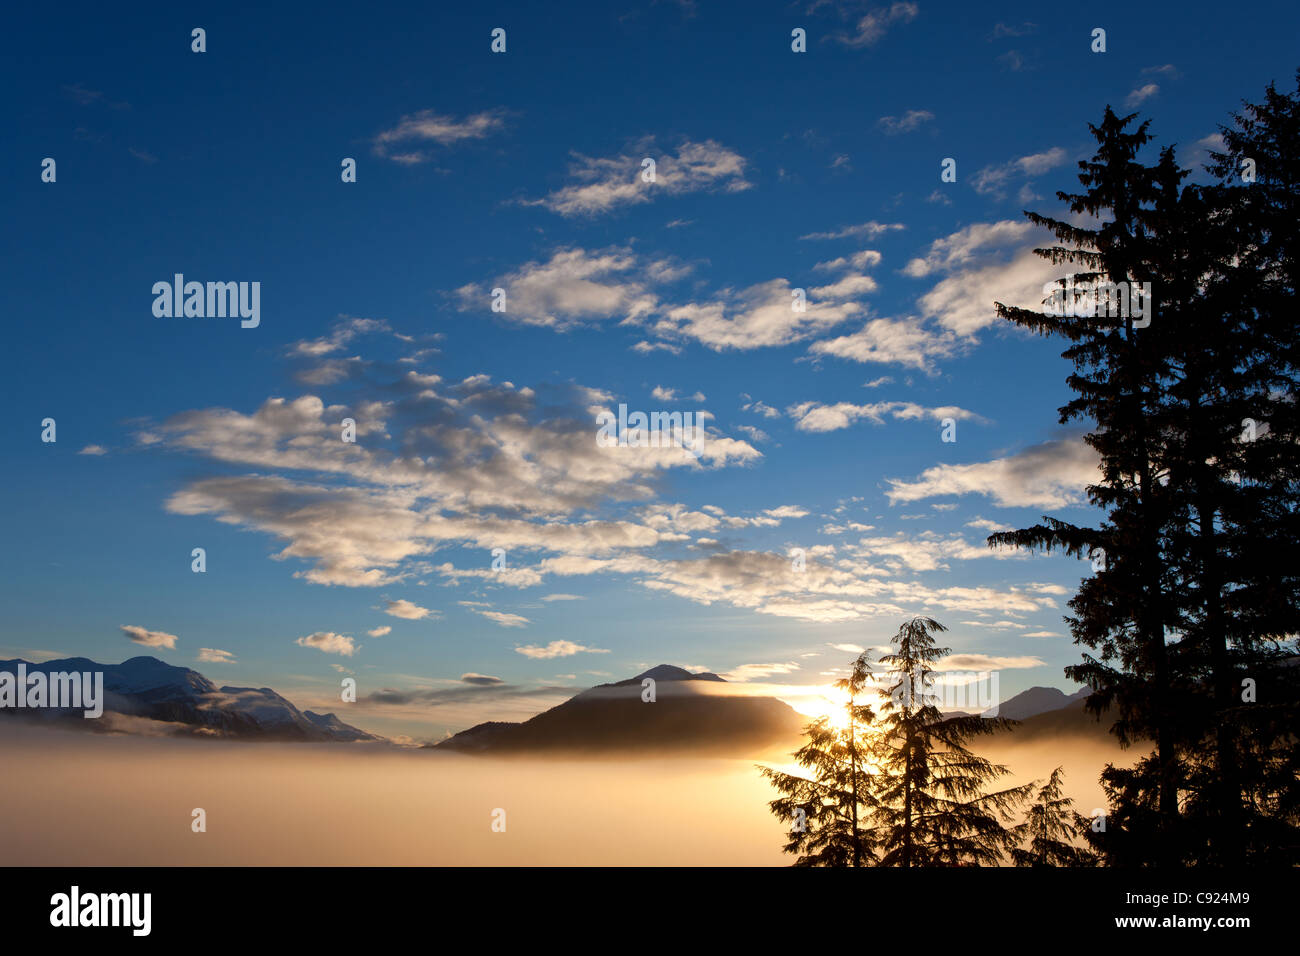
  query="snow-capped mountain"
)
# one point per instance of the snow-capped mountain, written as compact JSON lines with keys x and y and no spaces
{"x":146,"y":687}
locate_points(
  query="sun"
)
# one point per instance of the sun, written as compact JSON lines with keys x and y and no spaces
{"x":829,"y":703}
{"x":837,"y":716}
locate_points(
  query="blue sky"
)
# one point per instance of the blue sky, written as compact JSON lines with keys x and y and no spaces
{"x":774,"y":171}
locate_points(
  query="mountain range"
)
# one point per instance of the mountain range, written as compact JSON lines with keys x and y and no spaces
{"x":691,"y":711}
{"x":184,"y":701}
{"x":1038,"y":700}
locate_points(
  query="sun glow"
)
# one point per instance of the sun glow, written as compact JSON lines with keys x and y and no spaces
{"x":826,"y":701}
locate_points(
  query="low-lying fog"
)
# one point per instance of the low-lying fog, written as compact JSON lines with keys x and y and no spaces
{"x":78,"y":799}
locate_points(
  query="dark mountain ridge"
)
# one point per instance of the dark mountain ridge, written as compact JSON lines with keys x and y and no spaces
{"x":1037,"y":700}
{"x":690,"y":712}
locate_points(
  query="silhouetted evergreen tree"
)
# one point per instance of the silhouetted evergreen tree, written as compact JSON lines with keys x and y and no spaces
{"x":1124,"y":612}
{"x":1243,"y":800}
{"x":1051,"y":826}
{"x":932,"y":805}
{"x":826,"y":809}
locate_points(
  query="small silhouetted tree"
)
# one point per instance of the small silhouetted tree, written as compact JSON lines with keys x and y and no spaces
{"x":827,"y":807}
{"x":1050,"y":827}
{"x":932,"y":805}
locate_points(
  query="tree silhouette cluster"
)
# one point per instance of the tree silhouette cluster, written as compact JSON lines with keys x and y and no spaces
{"x":1188,"y":622}
{"x":898,"y":785}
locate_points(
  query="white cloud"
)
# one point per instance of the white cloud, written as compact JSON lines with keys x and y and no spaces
{"x":992,"y":180}
{"x":816,"y":417}
{"x":150,"y":638}
{"x":345,"y":329}
{"x":93,"y":450}
{"x":1202,"y":148}
{"x":502,"y":618}
{"x":905,"y":342}
{"x":382,"y":631}
{"x":963,"y":303}
{"x":759,"y":408}
{"x":927,"y":551}
{"x":572,"y":287}
{"x":961,"y":247}
{"x":759,"y":316}
{"x":557,"y":649}
{"x":866,"y":259}
{"x":986,"y":525}
{"x":406,"y":610}
{"x":671,"y":395}
{"x":868,"y":229}
{"x":846,"y":287}
{"x":871,"y":27}
{"x":329,"y":643}
{"x":403,"y":142}
{"x":1141,"y":94}
{"x":212,"y":655}
{"x":1049,"y":475}
{"x":748,"y":672}
{"x":1046,"y":588}
{"x":812,"y":417}
{"x":909,"y":121}
{"x":646,"y":348}
{"x":787,"y":511}
{"x":986,"y":662}
{"x":601,"y":184}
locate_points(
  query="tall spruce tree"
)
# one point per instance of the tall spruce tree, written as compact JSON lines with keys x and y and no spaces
{"x":827,"y":808}
{"x":1207,"y":345}
{"x":932,"y":802}
{"x":1244,"y":787}
{"x":1124,"y":613}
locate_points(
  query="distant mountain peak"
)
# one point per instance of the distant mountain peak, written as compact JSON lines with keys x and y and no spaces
{"x":1038,"y":700}
{"x":670,"y":672}
{"x":615,"y":717}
